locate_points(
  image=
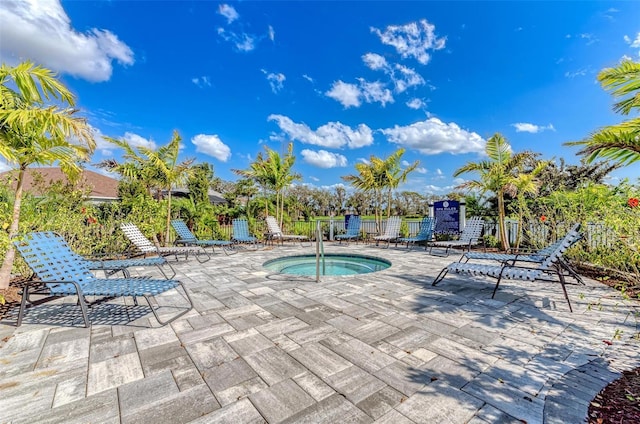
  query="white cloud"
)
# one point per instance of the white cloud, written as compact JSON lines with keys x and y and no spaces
{"x":323,"y":159}
{"x":579,"y":73}
{"x":276,"y":81}
{"x":375,"y":92}
{"x":102,"y":145}
{"x":416,"y":103}
{"x":332,"y":135}
{"x":633,"y":43}
{"x":4,"y":166}
{"x":345,"y":93}
{"x":212,"y":145}
{"x":531,"y":128}
{"x":272,"y":33}
{"x":135,"y":140}
{"x":375,"y":62}
{"x":316,"y":179}
{"x":364,"y":160}
{"x":412,"y":40}
{"x":201,"y":81}
{"x":42,"y":32}
{"x":228,"y":12}
{"x":244,"y":42}
{"x":433,"y":136}
{"x":406,"y":78}
{"x":308,"y":78}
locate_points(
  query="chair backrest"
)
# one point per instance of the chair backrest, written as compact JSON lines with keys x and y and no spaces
{"x":571,"y":238}
{"x":273,"y":226}
{"x":133,"y":233}
{"x":472,"y":230}
{"x":353,"y":227}
{"x":549,"y":249}
{"x":51,"y":259}
{"x":426,"y":228}
{"x":392,"y":228}
{"x":241,"y":228}
{"x":182,"y":230}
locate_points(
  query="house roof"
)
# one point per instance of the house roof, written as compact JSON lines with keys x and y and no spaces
{"x":102,"y":187}
{"x":215,"y":197}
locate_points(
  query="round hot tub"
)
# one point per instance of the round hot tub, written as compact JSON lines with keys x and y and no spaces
{"x":332,"y":264}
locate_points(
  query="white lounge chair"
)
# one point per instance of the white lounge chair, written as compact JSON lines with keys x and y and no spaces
{"x":391,"y":231}
{"x":144,"y":245}
{"x":470,"y":236}
{"x":275,"y":232}
{"x":553,"y":264}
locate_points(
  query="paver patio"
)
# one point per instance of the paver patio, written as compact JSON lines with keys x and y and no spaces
{"x":384,"y":347}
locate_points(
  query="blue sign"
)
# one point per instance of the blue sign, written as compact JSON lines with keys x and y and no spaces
{"x":447,"y":214}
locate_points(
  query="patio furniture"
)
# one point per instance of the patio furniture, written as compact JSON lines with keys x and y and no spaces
{"x":425,"y":233}
{"x":534,"y":257}
{"x":554,"y":263}
{"x":353,"y":230}
{"x":275,"y":232}
{"x":65,"y":273}
{"x":144,"y":245}
{"x":241,"y":233}
{"x":470,"y":236}
{"x":189,"y":239}
{"x":391,"y":231}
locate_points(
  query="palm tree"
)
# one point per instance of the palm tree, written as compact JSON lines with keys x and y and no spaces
{"x":498,"y":174}
{"x":33,"y":133}
{"x":376,"y":176}
{"x":157,"y":169}
{"x":620,"y":142}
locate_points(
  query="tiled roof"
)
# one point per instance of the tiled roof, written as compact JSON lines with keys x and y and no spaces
{"x":102,"y":187}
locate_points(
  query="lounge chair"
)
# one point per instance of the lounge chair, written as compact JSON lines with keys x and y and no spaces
{"x":144,"y":245}
{"x":425,"y":233}
{"x":275,"y":232}
{"x":553,"y":264}
{"x":534,"y":257}
{"x":241,"y":233}
{"x":470,"y":236}
{"x":353,"y":230}
{"x":189,"y":239}
{"x":65,"y":273}
{"x":391,"y":231}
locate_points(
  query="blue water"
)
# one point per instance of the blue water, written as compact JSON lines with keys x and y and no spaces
{"x":334,"y":264}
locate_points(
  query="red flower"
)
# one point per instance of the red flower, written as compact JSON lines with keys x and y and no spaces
{"x":633,"y":202}
{"x":543,"y":218}
{"x":83,"y":210}
{"x":91,"y":220}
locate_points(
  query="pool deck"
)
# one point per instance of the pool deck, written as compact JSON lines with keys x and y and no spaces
{"x":384,"y":347}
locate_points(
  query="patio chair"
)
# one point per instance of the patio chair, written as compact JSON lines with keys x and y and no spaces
{"x":425,"y":233}
{"x":241,"y":233}
{"x":353,"y":230}
{"x":534,"y":257}
{"x":65,"y":273}
{"x":275,"y":232}
{"x":391,"y":231}
{"x":146,"y":247}
{"x":189,"y":239}
{"x":470,"y":236}
{"x":554,"y":263}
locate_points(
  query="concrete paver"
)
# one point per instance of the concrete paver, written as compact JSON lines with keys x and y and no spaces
{"x":384,"y":347}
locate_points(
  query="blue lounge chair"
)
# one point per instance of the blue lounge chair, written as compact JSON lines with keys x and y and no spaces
{"x":189,"y":239}
{"x":65,"y":273}
{"x":353,"y":230}
{"x":425,"y":233}
{"x":553,"y":264}
{"x":241,"y":233}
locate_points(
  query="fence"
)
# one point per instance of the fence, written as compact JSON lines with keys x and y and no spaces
{"x":537,"y":235}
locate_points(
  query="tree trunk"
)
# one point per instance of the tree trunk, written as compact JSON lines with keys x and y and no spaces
{"x":7,"y":263}
{"x":504,"y":239}
{"x":166,"y":238}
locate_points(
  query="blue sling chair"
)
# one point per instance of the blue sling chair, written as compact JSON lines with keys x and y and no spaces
{"x":241,"y":233}
{"x":353,"y":230}
{"x":65,"y":273}
{"x":425,"y":233}
{"x":187,"y":238}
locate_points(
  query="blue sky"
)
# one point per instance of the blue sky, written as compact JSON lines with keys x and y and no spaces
{"x":342,"y":80}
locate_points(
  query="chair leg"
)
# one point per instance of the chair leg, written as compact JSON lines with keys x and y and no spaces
{"x":495,"y":289}
{"x":175,"y":317}
{"x":440,"y":276}
{"x":564,"y":289}
{"x":161,"y":268}
{"x":23,"y":305}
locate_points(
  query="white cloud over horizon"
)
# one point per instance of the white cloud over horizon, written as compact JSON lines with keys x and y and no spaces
{"x":633,"y":43}
{"x":42,"y":31}
{"x":414,"y":39}
{"x":332,"y":134}
{"x":532,"y":128}
{"x":432,"y":137}
{"x":212,"y":145}
{"x":323,"y":159}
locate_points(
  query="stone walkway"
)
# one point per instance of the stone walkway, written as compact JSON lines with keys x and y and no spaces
{"x":385,"y":347}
